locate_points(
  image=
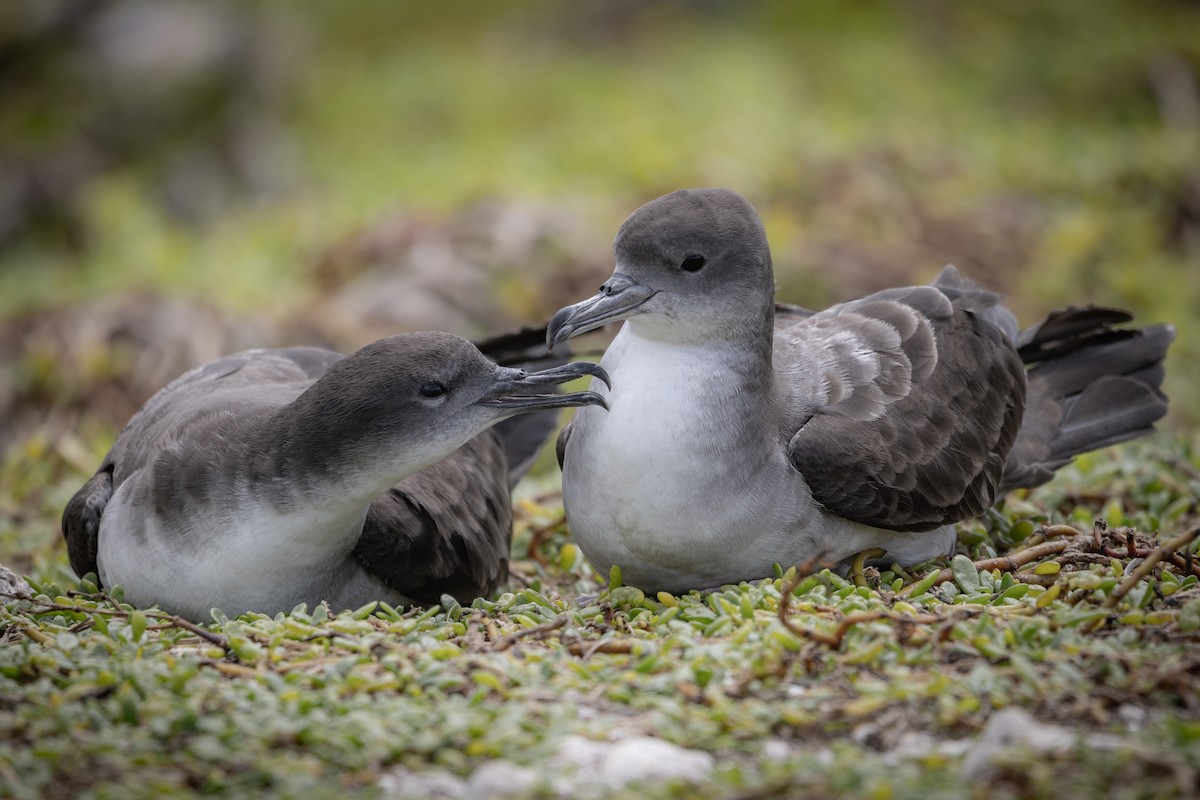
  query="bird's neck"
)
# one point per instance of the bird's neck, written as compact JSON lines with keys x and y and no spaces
{"x":727,"y":353}
{"x":720,"y":387}
{"x":326,"y":456}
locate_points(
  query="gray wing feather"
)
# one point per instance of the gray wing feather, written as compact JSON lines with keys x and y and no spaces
{"x":444,"y":530}
{"x":1091,"y":385}
{"x":560,"y":445}
{"x":265,"y":378}
{"x":856,"y":359}
{"x":928,"y":445}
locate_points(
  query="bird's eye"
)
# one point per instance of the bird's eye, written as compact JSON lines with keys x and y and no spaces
{"x":432,"y":390}
{"x":692,"y":263}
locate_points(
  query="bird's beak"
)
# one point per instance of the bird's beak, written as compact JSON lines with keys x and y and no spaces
{"x":616,"y":300}
{"x":516,"y":390}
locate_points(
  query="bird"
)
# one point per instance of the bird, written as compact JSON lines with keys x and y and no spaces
{"x":741,"y":434}
{"x":275,"y":477}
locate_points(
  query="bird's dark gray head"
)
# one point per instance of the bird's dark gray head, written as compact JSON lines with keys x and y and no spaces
{"x":688,"y":266}
{"x":420,"y":396}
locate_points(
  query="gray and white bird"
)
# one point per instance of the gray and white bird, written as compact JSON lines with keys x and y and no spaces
{"x":271,"y":478}
{"x":740,"y":435}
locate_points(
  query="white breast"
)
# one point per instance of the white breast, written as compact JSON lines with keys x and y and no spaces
{"x":662,"y":483}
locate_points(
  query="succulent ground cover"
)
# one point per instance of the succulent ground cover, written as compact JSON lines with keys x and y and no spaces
{"x":1057,"y":653}
{"x":1049,"y":150}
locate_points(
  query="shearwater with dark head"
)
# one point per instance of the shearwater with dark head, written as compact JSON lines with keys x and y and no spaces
{"x":272,"y":478}
{"x":740,"y":434}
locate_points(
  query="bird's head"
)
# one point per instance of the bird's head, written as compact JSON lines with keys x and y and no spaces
{"x":424,"y":395}
{"x":691,"y":266}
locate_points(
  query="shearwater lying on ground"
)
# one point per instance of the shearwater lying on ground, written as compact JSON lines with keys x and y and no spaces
{"x":271,"y":478}
{"x":739,"y":436}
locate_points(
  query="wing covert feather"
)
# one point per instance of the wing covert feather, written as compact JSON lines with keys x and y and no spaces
{"x":931,"y":445}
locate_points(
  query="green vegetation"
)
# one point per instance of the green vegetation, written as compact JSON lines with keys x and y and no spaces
{"x":1050,"y":150}
{"x":877,"y":686}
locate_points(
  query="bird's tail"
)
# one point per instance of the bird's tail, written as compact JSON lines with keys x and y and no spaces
{"x":1091,"y":384}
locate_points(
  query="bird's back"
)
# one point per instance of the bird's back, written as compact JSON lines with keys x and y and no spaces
{"x":237,"y":387}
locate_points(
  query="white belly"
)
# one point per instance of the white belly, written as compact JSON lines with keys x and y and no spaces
{"x":639,"y":480}
{"x":256,"y":561}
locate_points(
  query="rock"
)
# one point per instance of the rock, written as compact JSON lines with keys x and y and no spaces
{"x":644,"y":759}
{"x":500,"y":778}
{"x":1013,"y":730}
{"x":402,"y":784}
{"x":636,"y":759}
{"x":13,"y":585}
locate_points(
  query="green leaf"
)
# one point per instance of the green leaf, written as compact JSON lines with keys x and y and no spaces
{"x":965,"y":574}
{"x":137,"y":625}
{"x":614,"y":577}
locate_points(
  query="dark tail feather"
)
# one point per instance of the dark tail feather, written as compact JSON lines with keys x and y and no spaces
{"x":1069,"y":329}
{"x":523,"y":435}
{"x":1092,"y":385}
{"x":524,"y":348}
{"x":1108,"y":411}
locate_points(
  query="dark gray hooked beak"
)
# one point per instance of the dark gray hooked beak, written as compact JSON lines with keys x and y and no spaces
{"x":619,"y":296}
{"x":517,"y":390}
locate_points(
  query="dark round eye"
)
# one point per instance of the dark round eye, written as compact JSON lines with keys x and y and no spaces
{"x":432,"y":390}
{"x":692,"y":263}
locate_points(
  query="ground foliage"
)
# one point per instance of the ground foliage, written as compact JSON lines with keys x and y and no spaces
{"x":1051,"y":151}
{"x":876,"y":684}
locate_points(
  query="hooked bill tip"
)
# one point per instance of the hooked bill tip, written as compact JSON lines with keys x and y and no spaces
{"x":595,"y":370}
{"x":558,"y":330}
{"x":589,"y":399}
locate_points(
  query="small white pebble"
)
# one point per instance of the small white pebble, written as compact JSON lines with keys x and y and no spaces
{"x":646,"y":759}
{"x":500,"y":778}
{"x":1013,"y":728}
{"x":776,"y":749}
{"x":402,"y":784}
{"x":583,"y":754}
{"x":614,"y":764}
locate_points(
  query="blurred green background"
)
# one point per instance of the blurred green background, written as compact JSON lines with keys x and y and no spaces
{"x":181,"y":179}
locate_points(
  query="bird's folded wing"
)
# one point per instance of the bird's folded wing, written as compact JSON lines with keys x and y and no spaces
{"x":855,"y":359}
{"x":156,"y":425}
{"x":273,"y":377}
{"x":787,"y":315}
{"x":81,"y":521}
{"x":912,"y":405}
{"x":444,"y":530}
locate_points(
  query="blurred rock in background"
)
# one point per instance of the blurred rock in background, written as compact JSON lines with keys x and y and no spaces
{"x":493,"y":266}
{"x":187,"y":94}
{"x":104,"y":359}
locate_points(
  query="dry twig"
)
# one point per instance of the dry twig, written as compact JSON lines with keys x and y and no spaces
{"x":170,"y":619}
{"x":1156,"y":555}
{"x":508,"y":640}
